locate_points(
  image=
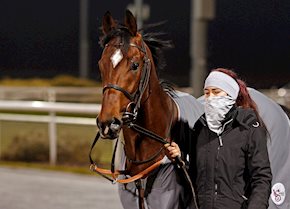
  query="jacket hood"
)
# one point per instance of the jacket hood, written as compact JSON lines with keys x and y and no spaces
{"x":246,"y":117}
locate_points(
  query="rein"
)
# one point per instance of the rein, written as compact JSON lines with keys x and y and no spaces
{"x":103,"y":172}
{"x":115,"y":173}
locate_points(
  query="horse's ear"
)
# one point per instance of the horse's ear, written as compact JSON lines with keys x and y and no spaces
{"x":108,"y":23}
{"x":130,"y":23}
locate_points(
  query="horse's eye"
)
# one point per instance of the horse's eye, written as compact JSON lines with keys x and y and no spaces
{"x":134,"y":65}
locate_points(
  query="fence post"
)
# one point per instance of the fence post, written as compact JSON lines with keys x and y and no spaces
{"x":52,"y":131}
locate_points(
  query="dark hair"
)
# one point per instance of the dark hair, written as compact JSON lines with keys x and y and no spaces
{"x":244,"y":99}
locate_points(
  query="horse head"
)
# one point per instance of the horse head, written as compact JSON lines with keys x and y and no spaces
{"x":125,"y":70}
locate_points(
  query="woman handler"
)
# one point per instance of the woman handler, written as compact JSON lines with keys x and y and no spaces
{"x":227,"y":150}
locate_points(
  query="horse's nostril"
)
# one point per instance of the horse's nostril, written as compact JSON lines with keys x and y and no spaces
{"x":115,"y":126}
{"x":109,"y":129}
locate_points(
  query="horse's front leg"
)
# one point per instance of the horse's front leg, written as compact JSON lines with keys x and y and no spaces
{"x":132,"y":195}
{"x":140,"y":185}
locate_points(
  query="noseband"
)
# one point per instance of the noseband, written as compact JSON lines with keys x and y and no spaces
{"x":135,"y":97}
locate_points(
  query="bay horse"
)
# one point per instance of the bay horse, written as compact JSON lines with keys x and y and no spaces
{"x":136,"y":102}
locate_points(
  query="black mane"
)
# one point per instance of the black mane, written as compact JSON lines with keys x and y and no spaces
{"x":153,"y":41}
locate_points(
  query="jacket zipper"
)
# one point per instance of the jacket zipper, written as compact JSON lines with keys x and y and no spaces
{"x":217,"y":158}
{"x":223,"y":128}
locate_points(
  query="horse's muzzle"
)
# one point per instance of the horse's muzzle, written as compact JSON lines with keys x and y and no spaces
{"x":109,"y":129}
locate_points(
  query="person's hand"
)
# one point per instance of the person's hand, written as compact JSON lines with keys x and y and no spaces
{"x":173,"y":150}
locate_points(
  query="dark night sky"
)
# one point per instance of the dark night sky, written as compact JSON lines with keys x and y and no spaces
{"x":40,"y":38}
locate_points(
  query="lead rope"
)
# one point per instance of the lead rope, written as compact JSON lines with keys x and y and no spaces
{"x":180,"y":163}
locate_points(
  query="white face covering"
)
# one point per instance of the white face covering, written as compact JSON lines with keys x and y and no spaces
{"x":216,"y":108}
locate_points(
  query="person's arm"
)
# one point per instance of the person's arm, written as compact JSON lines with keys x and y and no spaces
{"x":173,"y":150}
{"x":259,"y":169}
{"x":181,"y":134}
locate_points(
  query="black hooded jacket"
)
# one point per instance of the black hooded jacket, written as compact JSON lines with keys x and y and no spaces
{"x":230,"y":170}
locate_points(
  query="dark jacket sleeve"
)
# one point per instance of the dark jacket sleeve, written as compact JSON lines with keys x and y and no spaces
{"x":181,"y":133}
{"x":259,"y":169}
{"x":186,"y":138}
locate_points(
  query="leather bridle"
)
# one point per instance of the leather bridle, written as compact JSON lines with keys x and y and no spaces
{"x":136,"y":96}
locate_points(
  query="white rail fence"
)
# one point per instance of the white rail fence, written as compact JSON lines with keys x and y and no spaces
{"x":51,"y":108}
{"x":46,"y":99}
{"x":64,"y":94}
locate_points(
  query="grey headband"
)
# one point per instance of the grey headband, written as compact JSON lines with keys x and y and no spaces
{"x":223,"y":82}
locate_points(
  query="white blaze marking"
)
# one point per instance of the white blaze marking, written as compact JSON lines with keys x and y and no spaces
{"x":116,"y":57}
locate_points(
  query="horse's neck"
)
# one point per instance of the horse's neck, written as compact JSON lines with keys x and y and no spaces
{"x":157,"y":113}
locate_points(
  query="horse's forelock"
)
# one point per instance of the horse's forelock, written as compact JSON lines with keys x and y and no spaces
{"x":122,"y":32}
{"x":155,"y":44}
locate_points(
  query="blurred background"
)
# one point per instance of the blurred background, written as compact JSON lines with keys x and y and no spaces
{"x":49,"y":78}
